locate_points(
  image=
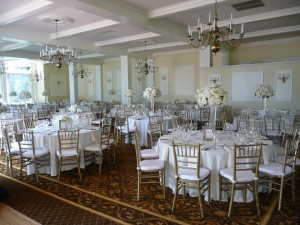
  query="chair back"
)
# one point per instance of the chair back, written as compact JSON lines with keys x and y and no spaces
{"x":187,"y":158}
{"x":242,"y":121}
{"x":204,"y":114}
{"x":183,"y":117}
{"x":105,"y":134}
{"x":68,"y":140}
{"x":137,"y":147}
{"x":290,"y":154}
{"x":155,"y":128}
{"x":297,"y":120}
{"x":272,"y":123}
{"x":246,"y":157}
{"x":256,"y":125}
{"x":25,"y":140}
{"x":5,"y":141}
{"x":28,"y":122}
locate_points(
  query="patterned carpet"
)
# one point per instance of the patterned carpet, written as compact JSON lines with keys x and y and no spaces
{"x":110,"y":198}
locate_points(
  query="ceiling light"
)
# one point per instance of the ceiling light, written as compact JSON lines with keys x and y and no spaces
{"x":215,"y":36}
{"x":144,"y":66}
{"x":81,"y":72}
{"x":57,"y":56}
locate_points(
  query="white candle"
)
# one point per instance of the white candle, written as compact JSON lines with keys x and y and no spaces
{"x":209,"y":17}
{"x":201,"y":27}
{"x":242,"y":28}
{"x":198,"y":22}
{"x":189,"y":28}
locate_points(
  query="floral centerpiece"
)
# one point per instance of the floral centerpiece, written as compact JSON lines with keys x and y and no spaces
{"x":264,"y":91}
{"x":12,"y":94}
{"x":56,"y":119}
{"x":150,"y":93}
{"x":73,"y":108}
{"x":25,"y":95}
{"x":129,"y":93}
{"x":46,"y":93}
{"x":212,"y":95}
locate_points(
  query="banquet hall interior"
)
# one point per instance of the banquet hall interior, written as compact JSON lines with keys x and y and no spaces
{"x":126,"y":83}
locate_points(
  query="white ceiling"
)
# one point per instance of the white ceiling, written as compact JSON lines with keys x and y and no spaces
{"x":105,"y":29}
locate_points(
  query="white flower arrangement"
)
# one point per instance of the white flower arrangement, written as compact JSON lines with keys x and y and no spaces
{"x":73,"y":108}
{"x":111,"y":92}
{"x":55,"y":121}
{"x":210,"y":95}
{"x":46,"y":93}
{"x":12,"y":94}
{"x":129,"y":93}
{"x":151,"y":92}
{"x":25,"y":95}
{"x":264,"y":91}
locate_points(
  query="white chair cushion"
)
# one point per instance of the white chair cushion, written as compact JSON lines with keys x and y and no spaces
{"x":151,"y":164}
{"x":67,"y":153}
{"x":149,"y":153}
{"x":95,"y":147}
{"x":191,"y":174}
{"x":38,"y":152}
{"x":111,"y":141}
{"x":241,"y":176}
{"x":275,"y":169}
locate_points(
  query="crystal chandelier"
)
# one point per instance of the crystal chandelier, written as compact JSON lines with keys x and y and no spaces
{"x":214,"y":36}
{"x":57,"y":56}
{"x":2,"y":67}
{"x":81,"y":72}
{"x":143,"y":66}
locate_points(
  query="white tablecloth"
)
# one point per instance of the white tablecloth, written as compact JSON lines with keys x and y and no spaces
{"x":142,"y":122}
{"x":212,"y":159}
{"x":50,"y":141}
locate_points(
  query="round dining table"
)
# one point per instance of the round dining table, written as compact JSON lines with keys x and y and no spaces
{"x":214,"y":156}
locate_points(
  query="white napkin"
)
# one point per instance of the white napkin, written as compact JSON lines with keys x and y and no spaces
{"x":209,"y":133}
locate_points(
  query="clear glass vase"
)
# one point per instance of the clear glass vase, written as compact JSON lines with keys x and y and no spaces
{"x":264,"y":103}
{"x":213,"y":116}
{"x":152,"y":104}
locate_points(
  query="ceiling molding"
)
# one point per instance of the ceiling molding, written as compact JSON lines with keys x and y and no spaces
{"x":87,"y":56}
{"x":273,"y":31}
{"x":180,"y":7}
{"x":85,"y":28}
{"x":158,"y":46}
{"x":24,"y":11}
{"x":126,"y":39}
{"x":14,"y":46}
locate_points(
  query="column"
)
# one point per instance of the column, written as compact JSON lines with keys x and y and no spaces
{"x":126,"y":77}
{"x":73,"y":84}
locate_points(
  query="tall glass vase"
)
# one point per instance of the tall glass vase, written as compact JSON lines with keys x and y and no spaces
{"x":129,"y":100}
{"x":213,"y":116}
{"x":264,"y":103}
{"x":152,"y":104}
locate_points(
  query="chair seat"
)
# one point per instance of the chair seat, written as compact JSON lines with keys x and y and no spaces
{"x":151,"y":164}
{"x":241,"y":176}
{"x":95,"y":147}
{"x":149,"y":153}
{"x":39,"y":152}
{"x":67,"y":153}
{"x":188,"y":174}
{"x":275,"y":169}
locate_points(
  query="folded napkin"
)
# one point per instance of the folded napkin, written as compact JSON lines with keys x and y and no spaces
{"x":209,"y":133}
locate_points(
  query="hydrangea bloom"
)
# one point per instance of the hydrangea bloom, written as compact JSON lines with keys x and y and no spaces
{"x":264,"y":91}
{"x":210,"y":95}
{"x":151,"y":92}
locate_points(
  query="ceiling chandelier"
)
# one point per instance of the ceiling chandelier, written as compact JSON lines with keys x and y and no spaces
{"x":57,"y":56}
{"x":144,"y":66}
{"x":214,"y":36}
{"x":2,"y":67}
{"x":81,"y":72}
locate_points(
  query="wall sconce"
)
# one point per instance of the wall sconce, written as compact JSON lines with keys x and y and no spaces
{"x":163,"y":77}
{"x":283,"y":77}
{"x":36,"y":77}
{"x":108,"y":80}
{"x":214,"y":79}
{"x":139,"y":79}
{"x":58,"y":82}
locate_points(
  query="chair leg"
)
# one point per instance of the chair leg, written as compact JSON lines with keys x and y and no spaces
{"x":59,"y":168}
{"x":256,"y":197}
{"x":281,"y":192}
{"x":100,"y":162}
{"x":163,"y":183}
{"x":231,"y":199}
{"x":36,"y":169}
{"x":78,"y":166}
{"x":200,"y":201}
{"x":293,"y":187}
{"x":220,"y":188}
{"x":174,"y":199}
{"x":139,"y":183}
{"x":208,"y":186}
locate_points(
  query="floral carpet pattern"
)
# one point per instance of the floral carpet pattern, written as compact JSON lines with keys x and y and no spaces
{"x":110,"y":198}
